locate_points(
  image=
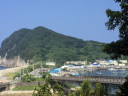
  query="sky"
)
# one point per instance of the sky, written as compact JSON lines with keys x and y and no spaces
{"x":83,"y":19}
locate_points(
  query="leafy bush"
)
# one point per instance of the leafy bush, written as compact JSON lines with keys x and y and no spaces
{"x":29,"y":69}
{"x":16,"y":75}
{"x":12,"y":75}
{"x":39,"y":79}
{"x":27,"y":78}
{"x":70,"y":86}
{"x":44,"y":75}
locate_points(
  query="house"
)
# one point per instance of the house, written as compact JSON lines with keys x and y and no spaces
{"x":112,"y":62}
{"x":123,"y":62}
{"x":102,"y":62}
{"x":76,"y":62}
{"x":50,"y":63}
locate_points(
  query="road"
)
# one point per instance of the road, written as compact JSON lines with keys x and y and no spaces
{"x":36,"y":73}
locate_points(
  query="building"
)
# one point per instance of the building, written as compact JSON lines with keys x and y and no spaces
{"x":68,"y":67}
{"x":112,"y":63}
{"x":123,"y":63}
{"x":55,"y":72}
{"x":102,"y":62}
{"x":50,"y":63}
{"x":76,"y":62}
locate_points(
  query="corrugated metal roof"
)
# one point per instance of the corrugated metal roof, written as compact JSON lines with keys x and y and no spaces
{"x":55,"y":70}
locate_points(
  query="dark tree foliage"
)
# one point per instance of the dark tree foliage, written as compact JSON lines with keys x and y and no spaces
{"x":43,"y":90}
{"x":27,"y":78}
{"x":123,"y":90}
{"x":118,"y":19}
{"x":58,"y":89}
{"x":99,"y":90}
{"x":87,"y":90}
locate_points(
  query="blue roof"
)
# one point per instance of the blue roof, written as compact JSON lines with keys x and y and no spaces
{"x":55,"y":70}
{"x":109,"y":61}
{"x":76,"y":75}
{"x":95,"y":64}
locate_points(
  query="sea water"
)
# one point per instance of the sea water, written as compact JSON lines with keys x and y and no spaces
{"x":2,"y":67}
{"x":118,"y":73}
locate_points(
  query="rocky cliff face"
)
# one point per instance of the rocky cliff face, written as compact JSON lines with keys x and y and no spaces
{"x":15,"y":62}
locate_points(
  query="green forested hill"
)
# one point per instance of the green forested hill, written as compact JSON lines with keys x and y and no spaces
{"x":44,"y":44}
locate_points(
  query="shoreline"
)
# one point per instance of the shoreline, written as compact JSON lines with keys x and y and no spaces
{"x":9,"y":70}
{"x":4,"y":67}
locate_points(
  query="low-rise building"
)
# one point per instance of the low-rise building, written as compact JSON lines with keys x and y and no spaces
{"x":76,"y":62}
{"x":102,"y":62}
{"x":112,"y":63}
{"x":50,"y":63}
{"x":123,"y":62}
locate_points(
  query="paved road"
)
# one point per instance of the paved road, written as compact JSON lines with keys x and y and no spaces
{"x":36,"y":73}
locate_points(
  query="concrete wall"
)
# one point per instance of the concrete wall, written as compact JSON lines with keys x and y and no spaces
{"x":29,"y":83}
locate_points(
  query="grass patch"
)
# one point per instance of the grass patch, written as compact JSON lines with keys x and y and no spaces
{"x":70,"y":86}
{"x":24,"y":88}
{"x":10,"y":76}
{"x":39,"y":79}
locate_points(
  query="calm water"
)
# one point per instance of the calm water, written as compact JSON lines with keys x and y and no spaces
{"x":121,"y":73}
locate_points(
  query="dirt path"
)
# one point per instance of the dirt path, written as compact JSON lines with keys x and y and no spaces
{"x":9,"y":70}
{"x":16,"y":93}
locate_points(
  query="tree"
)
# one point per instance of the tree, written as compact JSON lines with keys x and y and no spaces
{"x":99,"y":90}
{"x":123,"y":90}
{"x":58,"y":89}
{"x":44,"y":90}
{"x":27,"y":78}
{"x":44,"y":75}
{"x":77,"y":92}
{"x":85,"y":90}
{"x":118,"y":19}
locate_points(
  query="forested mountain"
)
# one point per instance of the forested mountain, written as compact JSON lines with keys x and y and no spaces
{"x":44,"y":44}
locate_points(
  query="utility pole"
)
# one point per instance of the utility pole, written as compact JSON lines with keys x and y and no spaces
{"x":23,"y":69}
{"x":19,"y":66}
{"x":40,"y":66}
{"x":33,"y":67}
{"x":20,"y":73}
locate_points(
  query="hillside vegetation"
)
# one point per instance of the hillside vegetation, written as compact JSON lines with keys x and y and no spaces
{"x":44,"y":44}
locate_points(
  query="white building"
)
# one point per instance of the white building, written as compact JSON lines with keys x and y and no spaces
{"x":68,"y":67}
{"x":102,"y":62}
{"x":123,"y":62}
{"x":76,"y":62}
{"x":112,"y":62}
{"x":50,"y":63}
{"x":71,"y":67}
